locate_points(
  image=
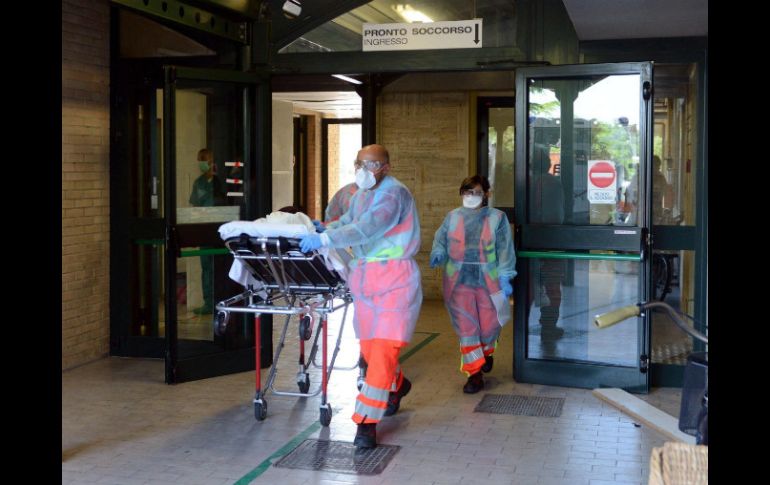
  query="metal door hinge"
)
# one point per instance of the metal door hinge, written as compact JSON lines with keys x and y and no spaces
{"x":644,"y":363}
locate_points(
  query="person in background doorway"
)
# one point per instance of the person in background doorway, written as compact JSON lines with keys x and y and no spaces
{"x":474,"y":246}
{"x":340,"y":202}
{"x":207,"y":191}
{"x":383,"y":230}
{"x":662,"y":193}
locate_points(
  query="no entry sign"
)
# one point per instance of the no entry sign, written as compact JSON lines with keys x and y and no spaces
{"x":602,"y":180}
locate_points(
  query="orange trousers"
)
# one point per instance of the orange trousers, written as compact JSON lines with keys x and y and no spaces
{"x":383,"y":376}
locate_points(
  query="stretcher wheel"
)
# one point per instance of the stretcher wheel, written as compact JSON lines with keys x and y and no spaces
{"x":221,"y":319}
{"x":326,"y":414}
{"x":305,"y":327}
{"x":303,"y":383}
{"x":362,"y":366}
{"x":260,"y":410}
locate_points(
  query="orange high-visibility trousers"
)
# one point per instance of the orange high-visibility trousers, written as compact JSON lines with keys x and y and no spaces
{"x":476,"y":323}
{"x":383,"y":376}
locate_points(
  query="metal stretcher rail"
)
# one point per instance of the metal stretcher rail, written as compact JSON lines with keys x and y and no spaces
{"x":290,"y":283}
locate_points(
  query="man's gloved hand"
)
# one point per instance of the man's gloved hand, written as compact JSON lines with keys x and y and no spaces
{"x":309,"y":242}
{"x":319,"y":226}
{"x":436,"y":261}
{"x":505,"y":285}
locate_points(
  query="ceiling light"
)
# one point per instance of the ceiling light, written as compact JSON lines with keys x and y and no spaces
{"x":348,"y":79}
{"x":411,"y":15}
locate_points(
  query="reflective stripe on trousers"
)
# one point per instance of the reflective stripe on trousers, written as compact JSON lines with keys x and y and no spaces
{"x":383,"y":376}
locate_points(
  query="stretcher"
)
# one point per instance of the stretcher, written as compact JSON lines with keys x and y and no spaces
{"x":281,"y":280}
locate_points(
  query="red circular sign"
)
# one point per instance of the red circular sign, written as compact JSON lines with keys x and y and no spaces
{"x":602,"y":174}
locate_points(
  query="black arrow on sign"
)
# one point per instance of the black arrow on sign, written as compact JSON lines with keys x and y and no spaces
{"x":476,"y":40}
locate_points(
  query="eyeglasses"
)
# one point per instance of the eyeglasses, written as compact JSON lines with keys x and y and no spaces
{"x":371,"y":165}
{"x":472,"y":192}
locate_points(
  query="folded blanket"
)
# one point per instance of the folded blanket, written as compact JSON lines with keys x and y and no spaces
{"x":278,"y":224}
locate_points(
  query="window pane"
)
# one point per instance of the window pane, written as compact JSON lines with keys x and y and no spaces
{"x":565,"y":296}
{"x":583,"y":148}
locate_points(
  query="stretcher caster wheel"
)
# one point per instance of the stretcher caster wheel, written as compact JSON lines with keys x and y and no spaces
{"x":305,"y":327}
{"x":260,"y":410}
{"x":362,"y":366}
{"x":221,"y":319}
{"x":303,"y":382}
{"x":326,"y":414}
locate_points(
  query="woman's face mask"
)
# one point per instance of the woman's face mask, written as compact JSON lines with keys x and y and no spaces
{"x":472,"y":201}
{"x":203,"y":165}
{"x":365,"y":179}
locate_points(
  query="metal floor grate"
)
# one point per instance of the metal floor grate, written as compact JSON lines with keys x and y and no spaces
{"x":338,"y":456}
{"x":521,"y":405}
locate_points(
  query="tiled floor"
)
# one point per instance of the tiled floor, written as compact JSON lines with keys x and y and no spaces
{"x":122,"y":425}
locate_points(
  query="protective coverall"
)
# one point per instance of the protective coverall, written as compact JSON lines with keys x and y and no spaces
{"x":340,"y":202}
{"x":383,"y":229}
{"x":477,"y":247}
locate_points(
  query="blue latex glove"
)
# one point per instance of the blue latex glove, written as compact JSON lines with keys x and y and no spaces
{"x":505,"y":285}
{"x":319,"y":226}
{"x":309,"y":242}
{"x":436,"y":261}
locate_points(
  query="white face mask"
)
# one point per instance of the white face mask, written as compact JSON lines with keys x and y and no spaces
{"x":472,"y":201}
{"x":365,"y":179}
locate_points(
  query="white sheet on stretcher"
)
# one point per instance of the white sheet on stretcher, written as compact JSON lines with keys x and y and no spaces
{"x":274,"y":225}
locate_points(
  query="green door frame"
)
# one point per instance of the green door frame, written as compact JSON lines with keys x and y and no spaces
{"x":572,"y":240}
{"x":694,"y":238}
{"x":226,"y":361}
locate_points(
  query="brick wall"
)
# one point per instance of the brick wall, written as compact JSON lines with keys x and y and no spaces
{"x":85,"y":181}
{"x":433,"y":168}
{"x":333,"y":158}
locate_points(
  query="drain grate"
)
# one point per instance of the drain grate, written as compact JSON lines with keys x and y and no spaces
{"x":338,"y":456}
{"x":521,"y":405}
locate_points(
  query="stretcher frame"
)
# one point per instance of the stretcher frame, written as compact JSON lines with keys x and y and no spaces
{"x":293,"y":283}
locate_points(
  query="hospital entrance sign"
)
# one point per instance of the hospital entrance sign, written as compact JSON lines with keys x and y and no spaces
{"x":458,"y":34}
{"x":602,"y":179}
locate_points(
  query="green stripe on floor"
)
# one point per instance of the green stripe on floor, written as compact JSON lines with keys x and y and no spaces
{"x":253,"y":474}
{"x":285,"y":449}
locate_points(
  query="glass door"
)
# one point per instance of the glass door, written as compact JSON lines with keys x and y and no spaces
{"x":583,"y":141}
{"x":208,"y":180}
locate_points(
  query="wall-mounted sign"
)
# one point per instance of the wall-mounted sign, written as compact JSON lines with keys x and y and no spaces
{"x":459,"y":34}
{"x":602,"y":180}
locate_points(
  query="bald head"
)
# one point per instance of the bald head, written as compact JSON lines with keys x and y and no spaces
{"x":374,"y":152}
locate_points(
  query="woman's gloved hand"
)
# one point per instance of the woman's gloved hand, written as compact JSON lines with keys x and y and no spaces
{"x":319,"y":226}
{"x":505,"y":285}
{"x":436,"y":261}
{"x":309,"y":242}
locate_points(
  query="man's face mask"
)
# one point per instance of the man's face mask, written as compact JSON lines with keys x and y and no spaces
{"x":365,"y":179}
{"x":203,"y":165}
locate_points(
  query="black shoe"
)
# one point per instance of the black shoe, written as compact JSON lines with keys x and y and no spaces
{"x":489,"y":361}
{"x":475,"y":383}
{"x":366,"y":436}
{"x":394,"y":398}
{"x":551,"y":333}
